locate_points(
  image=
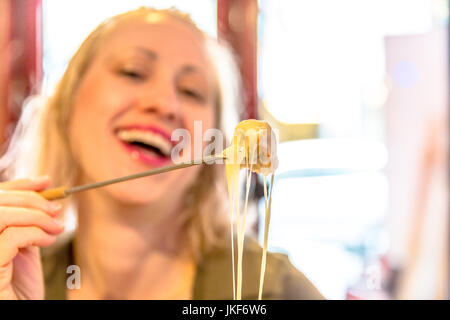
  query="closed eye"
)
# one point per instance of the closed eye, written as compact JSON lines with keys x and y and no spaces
{"x":192,"y":94}
{"x":132,"y":74}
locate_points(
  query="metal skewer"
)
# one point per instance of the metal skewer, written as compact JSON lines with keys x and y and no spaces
{"x":63,"y":192}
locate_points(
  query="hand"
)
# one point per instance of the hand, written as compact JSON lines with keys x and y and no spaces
{"x":27,"y":222}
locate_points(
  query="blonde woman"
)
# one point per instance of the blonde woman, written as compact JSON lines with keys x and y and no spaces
{"x":162,"y":237}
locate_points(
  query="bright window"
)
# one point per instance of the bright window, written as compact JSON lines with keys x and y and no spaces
{"x":67,"y":23}
{"x":323,"y":61}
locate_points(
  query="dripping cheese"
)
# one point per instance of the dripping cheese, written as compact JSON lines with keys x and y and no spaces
{"x":254,"y":149}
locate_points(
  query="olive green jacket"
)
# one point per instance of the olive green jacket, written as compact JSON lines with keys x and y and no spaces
{"x":213,"y":279}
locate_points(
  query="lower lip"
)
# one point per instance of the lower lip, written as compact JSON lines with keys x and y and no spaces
{"x":138,"y":155}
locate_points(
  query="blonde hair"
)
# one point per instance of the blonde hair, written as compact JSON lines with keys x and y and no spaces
{"x":40,"y":144}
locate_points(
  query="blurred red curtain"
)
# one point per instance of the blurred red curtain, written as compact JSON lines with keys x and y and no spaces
{"x":20,"y":59}
{"x":237,"y":24}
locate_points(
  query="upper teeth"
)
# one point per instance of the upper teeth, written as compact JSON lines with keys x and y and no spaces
{"x":146,"y":137}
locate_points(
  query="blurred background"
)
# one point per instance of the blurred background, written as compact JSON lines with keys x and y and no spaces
{"x":358,"y":91}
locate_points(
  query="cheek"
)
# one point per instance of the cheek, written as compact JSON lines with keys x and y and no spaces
{"x":99,"y":98}
{"x":90,"y":132}
{"x":199,"y":119}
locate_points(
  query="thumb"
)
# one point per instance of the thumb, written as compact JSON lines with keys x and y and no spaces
{"x":32,"y":184}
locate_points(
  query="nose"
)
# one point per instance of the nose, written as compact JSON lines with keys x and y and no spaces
{"x":160,"y":98}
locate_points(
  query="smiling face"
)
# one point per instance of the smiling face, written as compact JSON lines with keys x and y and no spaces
{"x":149,"y":76}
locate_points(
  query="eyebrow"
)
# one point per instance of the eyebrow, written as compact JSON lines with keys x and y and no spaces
{"x":154,"y":56}
{"x":148,"y":53}
{"x":190,"y":69}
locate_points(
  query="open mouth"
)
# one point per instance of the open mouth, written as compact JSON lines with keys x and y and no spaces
{"x":146,"y":145}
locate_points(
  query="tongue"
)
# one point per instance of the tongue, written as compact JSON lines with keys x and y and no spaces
{"x":148,"y":150}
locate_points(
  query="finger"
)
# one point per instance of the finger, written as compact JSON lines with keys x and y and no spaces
{"x":28,"y":199}
{"x":23,"y":217}
{"x":32,"y":184}
{"x":15,"y":238}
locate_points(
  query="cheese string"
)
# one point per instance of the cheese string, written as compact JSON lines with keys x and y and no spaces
{"x":241,"y":225}
{"x":230,"y":176}
{"x":266,"y":232}
{"x":238,"y":229}
{"x":232,"y":171}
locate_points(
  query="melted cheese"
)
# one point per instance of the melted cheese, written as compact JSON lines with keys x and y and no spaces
{"x":253,"y":148}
